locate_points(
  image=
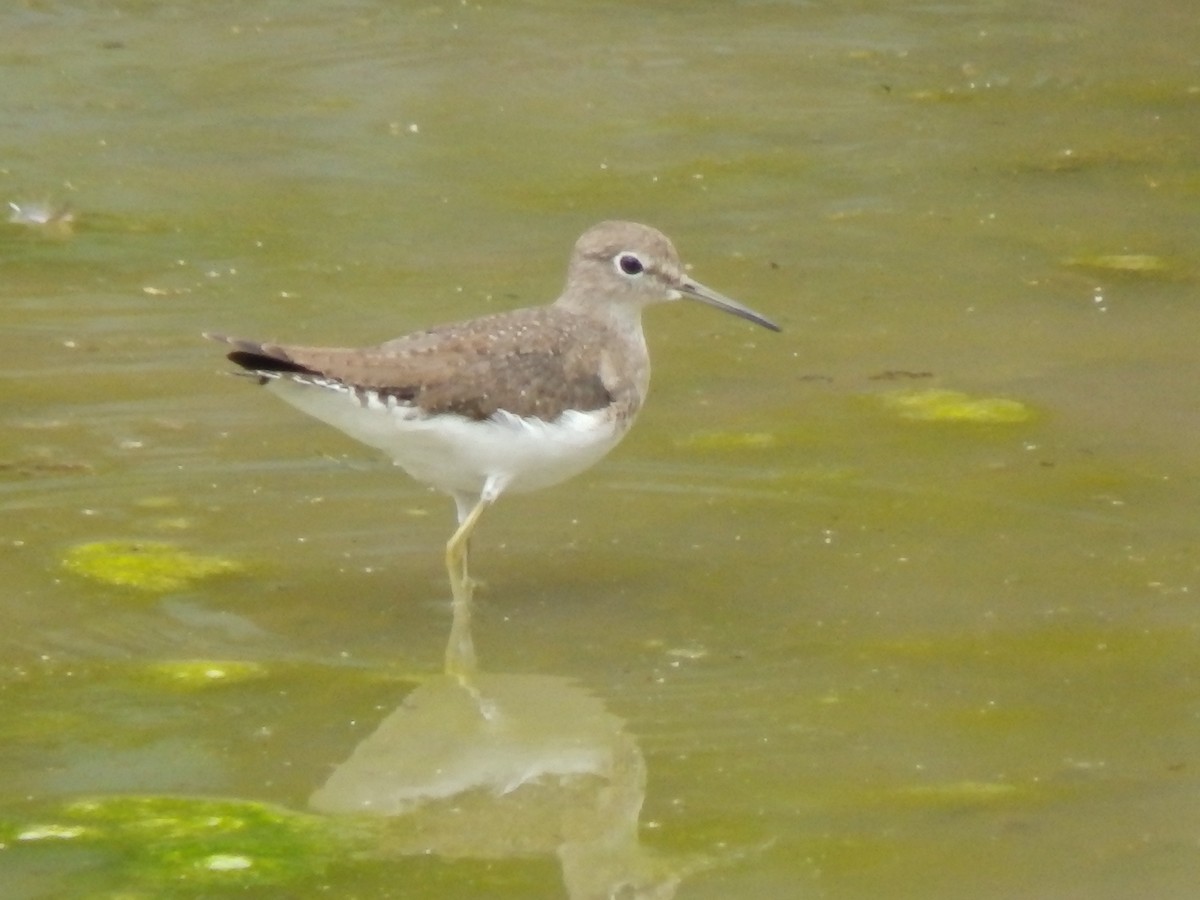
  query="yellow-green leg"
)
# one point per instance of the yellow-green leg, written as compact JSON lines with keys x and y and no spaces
{"x":460,"y":649}
{"x":457,"y":551}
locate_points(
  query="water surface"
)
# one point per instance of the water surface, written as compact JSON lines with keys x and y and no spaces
{"x":831,"y":651}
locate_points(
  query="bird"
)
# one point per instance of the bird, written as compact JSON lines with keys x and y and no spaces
{"x":505,"y":403}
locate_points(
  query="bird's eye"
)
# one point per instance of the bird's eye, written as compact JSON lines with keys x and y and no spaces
{"x":630,"y":264}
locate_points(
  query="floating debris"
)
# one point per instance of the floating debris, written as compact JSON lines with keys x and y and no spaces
{"x":898,"y":375}
{"x":34,"y":467}
{"x":52,"y":220}
{"x":1127,"y":263}
{"x":959,"y":793}
{"x":153,"y":566}
{"x":227,"y":862}
{"x":51,"y":832}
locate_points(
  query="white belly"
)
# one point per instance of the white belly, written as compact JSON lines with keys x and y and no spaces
{"x":456,"y":454}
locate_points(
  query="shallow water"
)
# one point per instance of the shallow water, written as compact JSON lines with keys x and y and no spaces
{"x":824,"y":649}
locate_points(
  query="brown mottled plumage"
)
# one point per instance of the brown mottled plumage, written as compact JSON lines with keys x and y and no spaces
{"x":501,"y":356}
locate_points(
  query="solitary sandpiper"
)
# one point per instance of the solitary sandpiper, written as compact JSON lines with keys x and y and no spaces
{"x":514,"y":401}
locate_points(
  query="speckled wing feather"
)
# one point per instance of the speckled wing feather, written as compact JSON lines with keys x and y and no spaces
{"x":536,"y":363}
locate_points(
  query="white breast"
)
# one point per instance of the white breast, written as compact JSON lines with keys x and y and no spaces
{"x":457,"y":454}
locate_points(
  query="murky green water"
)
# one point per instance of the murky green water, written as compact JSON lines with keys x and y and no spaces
{"x":815,"y":630}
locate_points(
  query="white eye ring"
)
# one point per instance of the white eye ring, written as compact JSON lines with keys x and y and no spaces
{"x":629,"y":264}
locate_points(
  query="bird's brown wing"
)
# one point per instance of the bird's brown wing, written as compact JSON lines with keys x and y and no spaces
{"x":513,"y":362}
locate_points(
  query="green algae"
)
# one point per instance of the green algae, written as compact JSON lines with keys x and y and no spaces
{"x":939,"y":405}
{"x":188,"y":844}
{"x":197,"y":674}
{"x":156,"y":567}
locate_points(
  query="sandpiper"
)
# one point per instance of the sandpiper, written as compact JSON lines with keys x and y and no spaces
{"x":514,"y":401}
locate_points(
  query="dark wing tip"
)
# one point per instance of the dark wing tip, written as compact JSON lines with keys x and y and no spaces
{"x":266,"y":359}
{"x":260,"y":358}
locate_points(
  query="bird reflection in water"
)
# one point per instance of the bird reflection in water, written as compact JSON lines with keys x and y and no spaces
{"x":476,"y":765}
